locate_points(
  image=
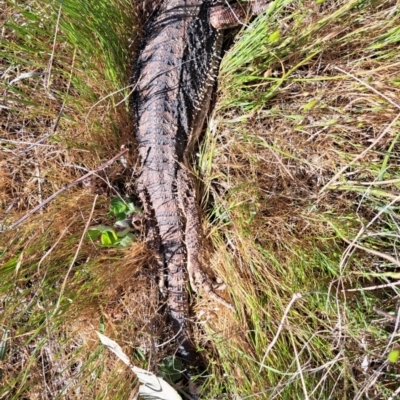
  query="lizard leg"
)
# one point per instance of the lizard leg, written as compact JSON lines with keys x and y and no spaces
{"x":192,"y":233}
{"x":224,"y":16}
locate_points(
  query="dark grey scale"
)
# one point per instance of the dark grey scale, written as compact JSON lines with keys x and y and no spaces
{"x":164,"y":57}
{"x":171,"y":255}
{"x":157,"y":132}
{"x":154,"y":162}
{"x":155,"y":106}
{"x":151,"y":120}
{"x":178,"y":295}
{"x":170,"y":258}
{"x":177,"y":273}
{"x":170,"y":231}
{"x":162,"y":196}
{"x":172,"y":243}
{"x":168,"y":220}
{"x":156,"y":141}
{"x":167,"y":214}
{"x":162,"y":222}
{"x":152,"y":181}
{"x":164,"y":50}
{"x":179,"y":292}
{"x":179,"y":276}
{"x":163,"y":153}
{"x":167,"y":177}
{"x":167,"y":47}
{"x":155,"y":191}
{"x":161,"y":182}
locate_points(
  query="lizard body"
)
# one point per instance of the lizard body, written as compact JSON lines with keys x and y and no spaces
{"x":175,"y":73}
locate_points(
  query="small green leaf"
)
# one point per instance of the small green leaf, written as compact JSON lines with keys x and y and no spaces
{"x":310,"y":105}
{"x":109,"y":238}
{"x":102,"y":325}
{"x":394,"y":355}
{"x":123,"y":233}
{"x":120,"y":216}
{"x":132,"y":208}
{"x":3,"y":345}
{"x":93,"y":233}
{"x":118,"y":206}
{"x":171,"y":368}
{"x":127,"y":241}
{"x":274,"y":36}
{"x":102,"y":228}
{"x":123,"y":223}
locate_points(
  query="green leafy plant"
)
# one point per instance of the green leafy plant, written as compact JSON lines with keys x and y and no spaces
{"x":171,"y":368}
{"x":394,"y":355}
{"x":121,"y":234}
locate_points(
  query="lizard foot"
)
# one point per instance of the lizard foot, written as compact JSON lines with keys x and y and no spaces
{"x":204,"y":282}
{"x":197,"y":278}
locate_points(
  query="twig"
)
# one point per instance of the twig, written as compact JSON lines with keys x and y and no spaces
{"x":66,"y":187}
{"x":395,"y":393}
{"x":375,"y":252}
{"x":295,"y":297}
{"x":376,"y":287}
{"x":387,"y":182}
{"x":303,"y":384}
{"x":47,"y":83}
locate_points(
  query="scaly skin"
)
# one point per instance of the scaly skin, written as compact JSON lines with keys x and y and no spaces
{"x":174,"y":64}
{"x":175,"y":74}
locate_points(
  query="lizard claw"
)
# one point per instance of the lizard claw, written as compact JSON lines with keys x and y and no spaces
{"x":199,"y":279}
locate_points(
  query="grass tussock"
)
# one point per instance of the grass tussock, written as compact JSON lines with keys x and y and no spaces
{"x":299,"y":180}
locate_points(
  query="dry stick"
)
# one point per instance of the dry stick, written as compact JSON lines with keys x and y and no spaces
{"x":395,"y":393}
{"x":295,"y":297}
{"x":387,"y":182}
{"x":66,"y":187}
{"x":385,"y":314}
{"x":376,"y":287}
{"x":374,"y":252}
{"x":47,"y":83}
{"x":303,"y":384}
